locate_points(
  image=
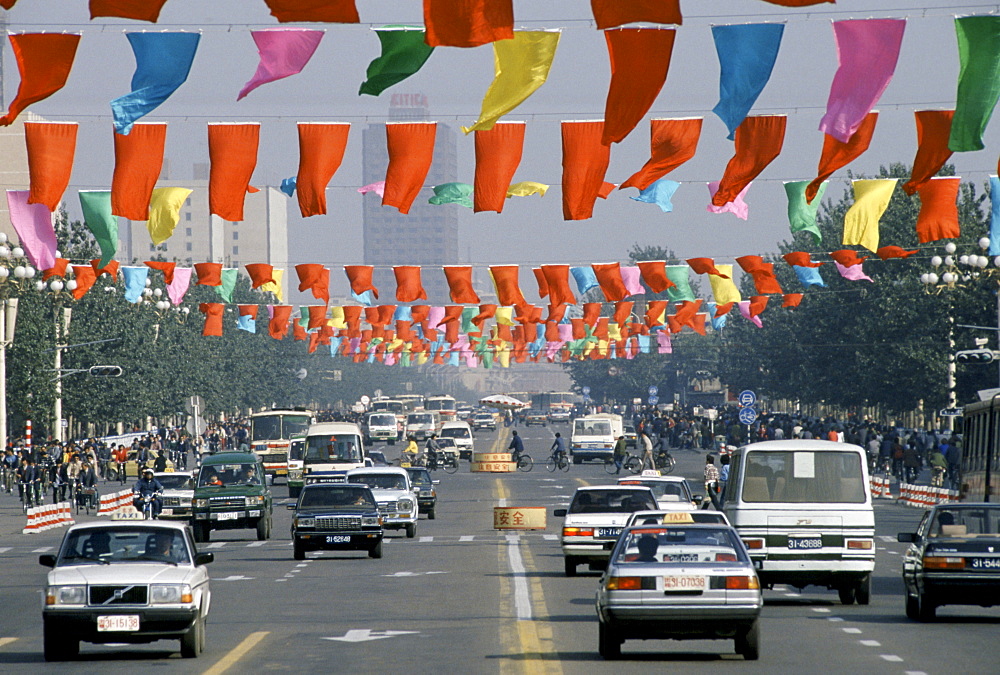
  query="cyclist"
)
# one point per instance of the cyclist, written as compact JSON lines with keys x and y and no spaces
{"x":558,"y":448}
{"x":412,"y":450}
{"x":30,"y":481}
{"x":148,"y":486}
{"x":619,"y":453}
{"x":10,"y":469}
{"x":431,"y":451}
{"x":88,"y":484}
{"x":120,"y":455}
{"x":516,"y":447}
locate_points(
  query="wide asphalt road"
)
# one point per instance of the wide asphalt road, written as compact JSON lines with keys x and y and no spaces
{"x":463,"y":598}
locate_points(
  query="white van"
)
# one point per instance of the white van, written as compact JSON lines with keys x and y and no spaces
{"x":332,"y":448}
{"x":381,"y":426}
{"x":804,"y":510}
{"x":594,"y":436}
{"x":461,"y":433}
{"x":421,"y":425}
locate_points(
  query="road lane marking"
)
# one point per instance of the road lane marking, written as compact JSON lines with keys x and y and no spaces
{"x":892,"y":657}
{"x":236,"y":653}
{"x":821,"y":610}
{"x":4,"y":549}
{"x":834,"y":618}
{"x":281,"y":579}
{"x":914,"y":672}
{"x":252,"y":544}
{"x":42,"y":549}
{"x":467,"y":537}
{"x":550,"y":537}
{"x":851,"y":630}
{"x":6,"y":641}
{"x":522,"y":598}
{"x":886,"y":538}
{"x":217,"y":544}
{"x":425,"y":540}
{"x":870,"y":643}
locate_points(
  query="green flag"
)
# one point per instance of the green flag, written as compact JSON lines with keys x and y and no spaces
{"x":404,"y":51}
{"x":225,"y":289}
{"x":801,"y":214}
{"x":978,"y":80}
{"x":452,"y":193}
{"x":681,"y":290}
{"x":96,"y":205}
{"x":468,"y":314}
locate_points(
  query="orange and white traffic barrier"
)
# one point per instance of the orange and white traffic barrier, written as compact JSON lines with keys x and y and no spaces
{"x":114,"y":501}
{"x":47,"y":516}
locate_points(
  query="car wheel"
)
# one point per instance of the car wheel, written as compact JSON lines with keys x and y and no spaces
{"x":298,"y":550}
{"x":748,"y":642}
{"x":926,"y":609}
{"x":192,"y":641}
{"x":608,"y":643}
{"x":59,"y":647}
{"x":377,"y":551}
{"x":863,"y":590}
{"x":263,"y":528}
{"x":430,"y":514}
{"x":912,"y":607}
{"x":570,"y":564}
{"x":846,"y":594}
{"x":411,"y":530}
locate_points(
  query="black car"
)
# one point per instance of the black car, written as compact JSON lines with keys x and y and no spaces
{"x":535,"y":417}
{"x":953,"y":559}
{"x":423,"y":485}
{"x":336,"y":516}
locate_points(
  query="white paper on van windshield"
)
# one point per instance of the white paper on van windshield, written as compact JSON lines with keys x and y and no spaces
{"x":804,"y":465}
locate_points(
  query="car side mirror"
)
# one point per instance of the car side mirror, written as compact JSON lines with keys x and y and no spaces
{"x":204,"y":558}
{"x":291,"y":507}
{"x":906,"y":537}
{"x":559,"y":513}
{"x":698,"y":499}
{"x":47,"y":560}
{"x":369,"y":462}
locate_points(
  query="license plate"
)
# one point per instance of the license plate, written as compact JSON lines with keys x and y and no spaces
{"x":166,"y":512}
{"x":805,"y":544}
{"x":609,"y":532}
{"x":983,"y":563}
{"x":338,"y":539}
{"x":230,"y":515}
{"x":118,"y":623}
{"x":683,"y":583}
{"x":681,"y":557}
{"x":253,"y":514}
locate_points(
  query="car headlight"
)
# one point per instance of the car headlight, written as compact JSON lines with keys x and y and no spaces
{"x":305,"y":521}
{"x":66,"y":595}
{"x":404,"y":505}
{"x":370,"y":521}
{"x":163,"y":594}
{"x":185,"y":501}
{"x":255,"y":501}
{"x":200,"y":503}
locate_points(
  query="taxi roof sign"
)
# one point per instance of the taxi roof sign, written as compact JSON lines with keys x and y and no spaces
{"x":651,"y":473}
{"x":677,"y":517}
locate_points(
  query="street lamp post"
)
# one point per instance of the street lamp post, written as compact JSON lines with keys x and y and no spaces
{"x":15,"y":274}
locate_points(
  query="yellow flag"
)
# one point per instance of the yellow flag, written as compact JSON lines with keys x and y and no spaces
{"x":871,"y":199}
{"x":614,"y":331}
{"x":337,"y":318}
{"x":165,"y":211}
{"x":521,"y":66}
{"x":724,"y":290}
{"x":504,"y":316}
{"x":503,"y":358}
{"x":526,"y":188}
{"x":275,"y":286}
{"x":421,"y":358}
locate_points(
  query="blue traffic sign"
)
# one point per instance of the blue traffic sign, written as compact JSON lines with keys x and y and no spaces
{"x":748,"y":415}
{"x":653,"y":400}
{"x":747,"y":398}
{"x":585,"y":390}
{"x":653,"y":391}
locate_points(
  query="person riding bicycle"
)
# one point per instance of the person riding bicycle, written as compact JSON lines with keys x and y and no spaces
{"x":120,"y":456}
{"x":516,"y":447}
{"x":558,"y":448}
{"x":148,"y":486}
{"x":619,"y":452}
{"x":412,"y":450}
{"x":431,"y":451}
{"x":88,"y":482}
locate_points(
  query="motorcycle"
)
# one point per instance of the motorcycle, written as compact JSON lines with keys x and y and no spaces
{"x":145,"y":504}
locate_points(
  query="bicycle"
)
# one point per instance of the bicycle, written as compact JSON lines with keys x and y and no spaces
{"x":559,"y":461}
{"x":523,"y":462}
{"x":30,"y":496}
{"x":86,"y":499}
{"x":665,"y":462}
{"x":9,"y":478}
{"x":448,"y":464}
{"x":630,"y":463}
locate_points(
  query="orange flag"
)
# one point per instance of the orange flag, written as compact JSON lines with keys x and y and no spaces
{"x":468,"y":23}
{"x":837,"y":155}
{"x":111,"y":269}
{"x":325,"y":11}
{"x":408,"y":284}
{"x":213,"y":317}
{"x":460,"y":284}
{"x":138,"y":163}
{"x":315,"y":278}
{"x":260,"y":274}
{"x":654,"y":273}
{"x":543,"y":285}
{"x":672,"y":142}
{"x":623,"y":309}
{"x":498,"y":154}
{"x":51,"y":147}
{"x":758,"y":303}
{"x":591,"y":313}
{"x":654,"y":310}
{"x":758,"y":142}
{"x":411,"y":151}
{"x":232,"y":151}
{"x":847,"y":257}
{"x":209,"y":273}
{"x":557,"y":312}
{"x":505,"y":280}
{"x":609,"y":277}
{"x":44,"y":61}
{"x":933,"y":130}
{"x":166,"y":267}
{"x":762,"y":273}
{"x":800,"y":259}
{"x":640,"y":59}
{"x":360,"y":277}
{"x":317,"y":316}
{"x":321,"y":150}
{"x":585,"y":161}
{"x":611,"y":13}
{"x":791,"y":300}
{"x":887,"y":252}
{"x":57,"y":270}
{"x":486,"y":312}
{"x":140,"y":10}
{"x":557,"y":282}
{"x":704,"y":266}
{"x":938,"y":217}
{"x":85,"y":278}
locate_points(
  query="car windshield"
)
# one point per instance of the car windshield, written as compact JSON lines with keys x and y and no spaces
{"x":446,"y":442}
{"x":380,"y":481}
{"x":420,"y":419}
{"x":224,"y":475}
{"x":175,"y":481}
{"x":455,"y":432}
{"x":421,"y":478}
{"x":678,"y":544}
{"x":345,"y":448}
{"x":966,"y":522}
{"x":591,"y":428}
{"x":665,"y":491}
{"x":611,"y":501}
{"x":335,"y":495}
{"x":801,"y":476}
{"x":125,"y":544}
{"x":296,"y":448}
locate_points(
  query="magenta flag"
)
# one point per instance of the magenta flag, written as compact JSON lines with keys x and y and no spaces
{"x":663,"y":344}
{"x":434,"y":316}
{"x":744,"y":306}
{"x":630,"y":277}
{"x":283,"y":52}
{"x":378,"y":188}
{"x":179,"y":286}
{"x":853,"y":273}
{"x":738,"y":207}
{"x":867,"y":51}
{"x":33,"y":224}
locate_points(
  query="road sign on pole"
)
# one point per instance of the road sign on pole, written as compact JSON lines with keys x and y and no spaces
{"x":653,"y":400}
{"x":653,"y":391}
{"x":585,"y":390}
{"x":950,"y":412}
{"x":747,"y":398}
{"x":748,"y":415}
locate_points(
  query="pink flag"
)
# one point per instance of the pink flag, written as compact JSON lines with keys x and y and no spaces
{"x":378,"y":188}
{"x":630,"y":276}
{"x":283,"y":52}
{"x":434,"y":317}
{"x":737,"y":207}
{"x":33,"y":224}
{"x":565,"y":332}
{"x":745,"y":311}
{"x":853,"y":273}
{"x":180,"y":284}
{"x":663,"y":345}
{"x":867,"y":51}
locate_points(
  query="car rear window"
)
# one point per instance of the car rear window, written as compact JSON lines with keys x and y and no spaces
{"x":381,"y":481}
{"x":611,"y":501}
{"x":799,"y":476}
{"x":682,"y":545}
{"x":341,"y":495}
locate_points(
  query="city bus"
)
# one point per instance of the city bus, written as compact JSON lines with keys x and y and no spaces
{"x":554,"y":400}
{"x":980,"y":427}
{"x":270,"y":434}
{"x":444,"y":405}
{"x":411,"y":402}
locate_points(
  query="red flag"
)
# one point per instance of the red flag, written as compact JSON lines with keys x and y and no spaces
{"x":887,"y":252}
{"x":321,"y":150}
{"x":408,"y":285}
{"x":705,"y":266}
{"x":758,"y":142}
{"x":260,"y":274}
{"x":672,"y":142}
{"x":654,"y":273}
{"x":57,"y":270}
{"x":213,"y":318}
{"x":209,"y":273}
{"x":460,"y":284}
{"x":360,"y":277}
{"x":611,"y":13}
{"x":85,"y":278}
{"x":791,"y":300}
{"x":762,"y":273}
{"x":498,"y":154}
{"x":837,"y":154}
{"x":757,"y":304}
{"x":51,"y":147}
{"x":232,"y":153}
{"x":138,"y":164}
{"x":411,"y":151}
{"x":111,"y":269}
{"x":938,"y":217}
{"x":44,"y":61}
{"x":166,"y":267}
{"x":505,"y":280}
{"x":468,"y":23}
{"x":324,"y":11}
{"x":640,"y":59}
{"x":315,"y":278}
{"x":556,"y":278}
{"x":140,"y":10}
{"x":933,"y":130}
{"x":277,"y":326}
{"x":847,"y":257}
{"x":585,"y":161}
{"x":800,"y":259}
{"x":609,"y":276}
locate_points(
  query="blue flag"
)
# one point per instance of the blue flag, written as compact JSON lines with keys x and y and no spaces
{"x":659,"y":192}
{"x":747,"y":53}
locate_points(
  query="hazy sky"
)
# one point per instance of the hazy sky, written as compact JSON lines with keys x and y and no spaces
{"x":530,"y":230}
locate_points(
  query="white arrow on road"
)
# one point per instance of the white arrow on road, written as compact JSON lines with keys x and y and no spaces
{"x":364,"y":635}
{"x":412,"y":574}
{"x":235,"y":577}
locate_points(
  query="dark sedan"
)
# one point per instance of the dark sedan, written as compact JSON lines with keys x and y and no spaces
{"x":336,"y":516}
{"x":423,"y":485}
{"x":953,"y":559}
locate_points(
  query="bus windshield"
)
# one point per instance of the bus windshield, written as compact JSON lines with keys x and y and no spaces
{"x":345,"y":448}
{"x":440,"y":404}
{"x":278,"y":427}
{"x":388,"y":406}
{"x":420,"y":418}
{"x":382,"y":420}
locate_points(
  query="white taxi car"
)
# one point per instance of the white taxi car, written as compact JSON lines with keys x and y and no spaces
{"x":130,"y":581}
{"x":595,"y":519}
{"x":397,"y":501}
{"x":672,"y":492}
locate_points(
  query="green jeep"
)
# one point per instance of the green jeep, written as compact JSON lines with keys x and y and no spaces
{"x":231,"y":493}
